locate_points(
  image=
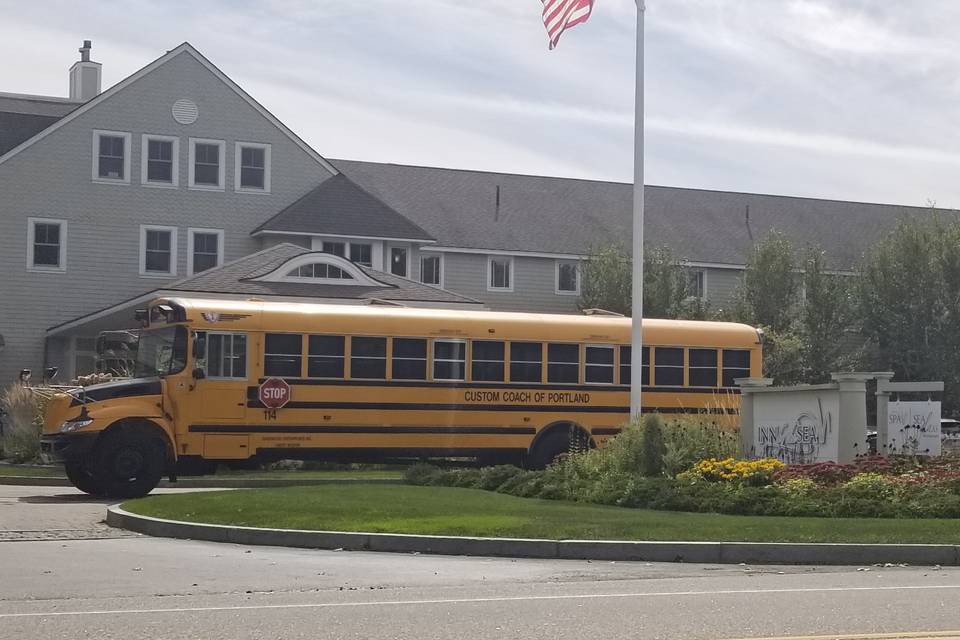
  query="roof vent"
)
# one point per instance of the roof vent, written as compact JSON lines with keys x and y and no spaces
{"x":84,"y":76}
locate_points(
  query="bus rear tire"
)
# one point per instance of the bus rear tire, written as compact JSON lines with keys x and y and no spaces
{"x":82,"y":479}
{"x":547,"y":449}
{"x":129,"y":464}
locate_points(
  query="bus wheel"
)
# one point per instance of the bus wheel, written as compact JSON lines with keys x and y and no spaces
{"x":548,"y":448}
{"x":82,"y":479}
{"x":130,"y":464}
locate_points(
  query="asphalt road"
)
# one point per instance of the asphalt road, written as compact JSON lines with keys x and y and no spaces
{"x":63,"y":575}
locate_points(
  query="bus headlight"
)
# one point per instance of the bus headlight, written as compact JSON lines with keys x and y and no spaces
{"x":72,"y":425}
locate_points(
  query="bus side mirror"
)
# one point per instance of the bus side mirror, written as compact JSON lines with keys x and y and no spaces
{"x":199,"y":374}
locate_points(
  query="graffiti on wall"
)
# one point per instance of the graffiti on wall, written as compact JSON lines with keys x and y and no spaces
{"x":797,"y":429}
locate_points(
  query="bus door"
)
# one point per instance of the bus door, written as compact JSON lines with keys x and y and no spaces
{"x":221,"y":363}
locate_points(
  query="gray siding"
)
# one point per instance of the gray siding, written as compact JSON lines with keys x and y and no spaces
{"x":52,"y":179}
{"x":533,"y":284}
{"x":722,"y":286}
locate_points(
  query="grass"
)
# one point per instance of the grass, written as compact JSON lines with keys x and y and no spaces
{"x":347,"y":474}
{"x":470,"y":512}
{"x":9,"y":470}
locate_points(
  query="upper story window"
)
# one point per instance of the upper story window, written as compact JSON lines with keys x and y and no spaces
{"x":568,"y":277}
{"x":46,"y":244}
{"x":159,"y":161}
{"x":320,"y":270}
{"x":111,"y":156}
{"x":206,"y":249}
{"x":252,"y":170}
{"x":336,"y":248}
{"x":361,"y":253}
{"x":158,"y":251}
{"x":399,"y":259}
{"x":696,"y":283}
{"x":500,"y":273}
{"x":207,"y":164}
{"x":430,"y":273}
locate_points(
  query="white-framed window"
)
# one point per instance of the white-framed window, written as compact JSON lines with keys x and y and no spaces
{"x":111,"y":157}
{"x":568,"y":278}
{"x":697,"y":283}
{"x":204,"y":249}
{"x":207,"y":162}
{"x":158,"y":251}
{"x":336,"y":248}
{"x":361,"y":253}
{"x":159,"y":161}
{"x":399,"y":261}
{"x":251,"y":167}
{"x":431,"y":270}
{"x":46,"y":245}
{"x":500,"y":273}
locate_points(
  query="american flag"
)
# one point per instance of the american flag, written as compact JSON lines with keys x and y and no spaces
{"x":558,"y":15}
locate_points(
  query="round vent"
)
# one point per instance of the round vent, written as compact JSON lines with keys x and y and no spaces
{"x":185,"y":111}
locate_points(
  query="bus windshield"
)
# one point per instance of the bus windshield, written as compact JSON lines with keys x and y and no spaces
{"x":161,"y":352}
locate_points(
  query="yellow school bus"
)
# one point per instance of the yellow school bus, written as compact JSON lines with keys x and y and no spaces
{"x":234,"y":381}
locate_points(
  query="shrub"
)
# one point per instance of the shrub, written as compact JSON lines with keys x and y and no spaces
{"x":420,"y":474}
{"x":24,"y":407}
{"x":690,"y":438}
{"x":652,"y":447}
{"x":490,"y":478}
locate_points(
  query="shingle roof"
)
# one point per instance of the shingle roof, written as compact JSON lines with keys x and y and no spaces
{"x":339,"y":207}
{"x":239,"y":277}
{"x":23,"y":116}
{"x":564,"y":215}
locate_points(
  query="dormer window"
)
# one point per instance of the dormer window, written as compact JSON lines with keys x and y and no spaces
{"x":320,"y":270}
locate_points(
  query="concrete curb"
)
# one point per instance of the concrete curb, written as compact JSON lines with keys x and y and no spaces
{"x":696,"y":552}
{"x":209,"y":483}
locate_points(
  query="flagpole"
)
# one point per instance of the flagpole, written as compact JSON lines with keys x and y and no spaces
{"x":636,"y":341}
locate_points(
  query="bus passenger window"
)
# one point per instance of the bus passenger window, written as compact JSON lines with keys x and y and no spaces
{"x":368,"y":358}
{"x":563,"y":363}
{"x":669,"y":367}
{"x":703,"y":367}
{"x":449,"y":359}
{"x":625,"y":366}
{"x":325,"y":357}
{"x":599,"y":368}
{"x":283,"y":355}
{"x":226,"y":355}
{"x":736,"y":364}
{"x":526,"y":361}
{"x":409,"y":359}
{"x":487,"y":361}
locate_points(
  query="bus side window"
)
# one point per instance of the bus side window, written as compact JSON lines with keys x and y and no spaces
{"x":736,"y":364}
{"x":599,"y":367}
{"x":325,"y":356}
{"x":526,"y":361}
{"x":668,"y":370}
{"x":226,"y":355}
{"x":487,"y":361}
{"x":368,"y":358}
{"x":625,"y":366}
{"x":703,"y":367}
{"x":283,"y":355}
{"x":449,"y":359}
{"x":563,"y":363}
{"x":409,"y":359}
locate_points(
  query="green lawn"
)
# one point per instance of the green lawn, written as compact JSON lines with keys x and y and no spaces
{"x":346,"y":474}
{"x":450,"y":511}
{"x":28,"y":470}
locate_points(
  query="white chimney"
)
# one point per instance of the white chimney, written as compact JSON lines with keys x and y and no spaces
{"x":84,"y":76}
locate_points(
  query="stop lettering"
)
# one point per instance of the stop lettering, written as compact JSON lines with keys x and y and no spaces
{"x":274,"y":393}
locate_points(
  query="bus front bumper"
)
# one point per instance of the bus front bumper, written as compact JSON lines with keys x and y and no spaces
{"x":66,"y":447}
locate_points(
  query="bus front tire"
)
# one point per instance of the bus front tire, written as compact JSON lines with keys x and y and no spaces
{"x":130,"y":464}
{"x":82,"y":479}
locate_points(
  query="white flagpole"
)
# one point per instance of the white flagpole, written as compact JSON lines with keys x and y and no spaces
{"x":636,"y":349}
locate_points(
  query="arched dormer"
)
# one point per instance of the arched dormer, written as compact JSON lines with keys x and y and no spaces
{"x":320,"y":268}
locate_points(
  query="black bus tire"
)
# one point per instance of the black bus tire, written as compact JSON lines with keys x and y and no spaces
{"x":129,"y":464}
{"x":548,"y":448}
{"x":82,"y":479}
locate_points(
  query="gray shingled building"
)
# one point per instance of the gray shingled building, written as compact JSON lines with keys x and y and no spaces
{"x":176,"y":180}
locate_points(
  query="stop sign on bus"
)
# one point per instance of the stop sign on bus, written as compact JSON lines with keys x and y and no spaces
{"x":274,"y":393}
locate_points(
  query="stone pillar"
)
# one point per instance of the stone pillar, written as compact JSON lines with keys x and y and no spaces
{"x":883,"y":412}
{"x":852,"y":421}
{"x":748,"y":445}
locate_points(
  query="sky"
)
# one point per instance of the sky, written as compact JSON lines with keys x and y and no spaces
{"x":841,"y":99}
